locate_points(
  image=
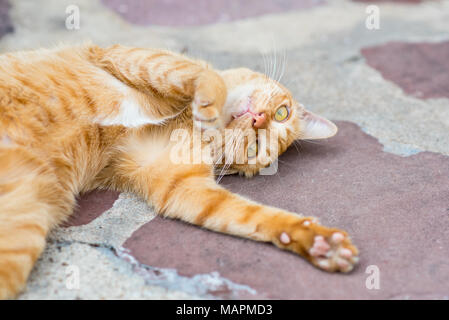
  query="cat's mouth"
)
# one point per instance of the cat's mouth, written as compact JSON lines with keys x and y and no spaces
{"x":247,"y":109}
{"x":246,"y":112}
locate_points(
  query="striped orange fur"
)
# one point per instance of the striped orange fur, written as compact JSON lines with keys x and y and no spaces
{"x":74,"y":119}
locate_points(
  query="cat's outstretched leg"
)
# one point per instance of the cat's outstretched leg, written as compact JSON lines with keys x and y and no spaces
{"x":31,"y":202}
{"x":194,"y":197}
{"x":171,"y":76}
{"x":189,"y":192}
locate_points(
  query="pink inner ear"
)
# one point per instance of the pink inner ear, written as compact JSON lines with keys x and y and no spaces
{"x":316,"y":127}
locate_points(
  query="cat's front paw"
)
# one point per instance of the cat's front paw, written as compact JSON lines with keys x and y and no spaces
{"x":327,"y":248}
{"x":208,"y":101}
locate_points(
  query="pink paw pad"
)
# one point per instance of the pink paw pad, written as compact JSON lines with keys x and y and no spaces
{"x":345,"y":253}
{"x":285,"y":238}
{"x":320,"y":247}
{"x":337,"y":237}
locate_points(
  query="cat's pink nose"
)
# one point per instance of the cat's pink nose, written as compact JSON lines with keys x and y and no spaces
{"x":259,"y":120}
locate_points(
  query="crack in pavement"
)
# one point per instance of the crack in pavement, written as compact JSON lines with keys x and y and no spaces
{"x":209,"y":285}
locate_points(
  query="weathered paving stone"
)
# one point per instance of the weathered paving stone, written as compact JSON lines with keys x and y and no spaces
{"x":90,"y":206}
{"x":395,"y":208}
{"x":420,"y":69}
{"x":199,"y":12}
{"x":5,"y":22}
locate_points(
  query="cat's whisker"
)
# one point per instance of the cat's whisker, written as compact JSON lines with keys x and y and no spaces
{"x":265,"y":63}
{"x":274,"y":63}
{"x":286,"y":163}
{"x":226,"y":163}
{"x":269,"y":65}
{"x":296,"y":144}
{"x":236,"y":144}
{"x":271,"y":56}
{"x":313,"y":141}
{"x":220,"y":159}
{"x":283,"y":67}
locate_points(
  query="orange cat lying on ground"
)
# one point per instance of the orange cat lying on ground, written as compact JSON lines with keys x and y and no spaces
{"x":75,"y":119}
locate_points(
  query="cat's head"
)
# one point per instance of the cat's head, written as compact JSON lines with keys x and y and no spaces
{"x":259,"y":105}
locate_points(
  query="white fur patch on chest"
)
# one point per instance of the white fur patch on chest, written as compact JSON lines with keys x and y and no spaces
{"x":130,"y":115}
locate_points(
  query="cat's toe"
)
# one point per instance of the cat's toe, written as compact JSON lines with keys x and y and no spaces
{"x":320,"y":247}
{"x":206,"y":116}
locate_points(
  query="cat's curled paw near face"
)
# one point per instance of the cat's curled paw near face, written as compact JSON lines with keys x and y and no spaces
{"x":207,"y":104}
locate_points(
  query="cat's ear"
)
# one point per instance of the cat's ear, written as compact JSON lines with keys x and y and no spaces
{"x":314,"y":126}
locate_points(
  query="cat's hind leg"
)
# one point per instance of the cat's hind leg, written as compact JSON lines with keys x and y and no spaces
{"x":31,"y":202}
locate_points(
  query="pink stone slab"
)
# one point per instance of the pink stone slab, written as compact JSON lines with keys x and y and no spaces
{"x":420,"y":69}
{"x":90,"y":206}
{"x":199,"y":12}
{"x":394,"y":1}
{"x":5,"y":21}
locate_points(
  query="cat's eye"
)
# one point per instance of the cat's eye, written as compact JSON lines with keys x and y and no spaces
{"x":252,"y":150}
{"x":281,"y":114}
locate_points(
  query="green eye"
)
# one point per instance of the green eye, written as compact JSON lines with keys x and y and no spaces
{"x":252,"y":150}
{"x":281,"y":114}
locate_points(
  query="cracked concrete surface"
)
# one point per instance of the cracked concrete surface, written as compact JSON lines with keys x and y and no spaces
{"x":113,"y":227}
{"x":102,"y":275}
{"x":327,"y":70}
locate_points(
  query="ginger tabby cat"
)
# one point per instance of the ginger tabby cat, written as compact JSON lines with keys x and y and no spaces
{"x":75,"y":119}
